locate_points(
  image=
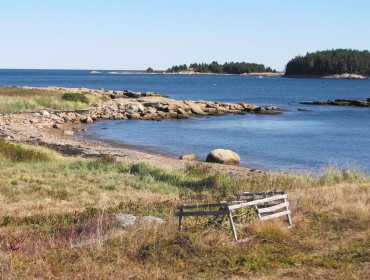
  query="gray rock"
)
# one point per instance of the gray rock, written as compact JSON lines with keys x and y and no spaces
{"x":46,"y":114}
{"x":125,"y":220}
{"x":152,"y":220}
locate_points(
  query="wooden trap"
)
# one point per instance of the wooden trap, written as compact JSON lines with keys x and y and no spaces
{"x":268,"y":205}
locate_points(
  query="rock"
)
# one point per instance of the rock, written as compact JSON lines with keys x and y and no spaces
{"x":57,"y":126}
{"x":66,"y":119}
{"x":259,"y":109}
{"x":135,"y":107}
{"x":120,"y":116}
{"x":182,"y":112}
{"x":210,"y":111}
{"x":151,"y":93}
{"x":152,"y":220}
{"x":46,"y":114}
{"x":68,"y":132}
{"x":128,"y":220}
{"x":172,"y":114}
{"x":224,"y":157}
{"x":132,"y":94}
{"x":87,"y":119}
{"x":189,"y":157}
{"x":133,"y":116}
{"x":125,"y":220}
{"x":195,"y":108}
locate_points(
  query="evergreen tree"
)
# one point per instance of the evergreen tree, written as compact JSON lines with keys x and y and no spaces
{"x":330,"y":62}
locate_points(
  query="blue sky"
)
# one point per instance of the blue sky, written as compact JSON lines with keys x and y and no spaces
{"x":136,"y":34}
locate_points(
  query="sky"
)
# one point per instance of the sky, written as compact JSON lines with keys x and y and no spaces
{"x":137,"y":34}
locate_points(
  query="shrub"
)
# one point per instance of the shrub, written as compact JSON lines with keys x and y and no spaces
{"x":75,"y":97}
{"x":19,"y":153}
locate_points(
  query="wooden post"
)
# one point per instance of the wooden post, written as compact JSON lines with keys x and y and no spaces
{"x":232,"y":225}
{"x":289,"y":217}
{"x":180,"y":219}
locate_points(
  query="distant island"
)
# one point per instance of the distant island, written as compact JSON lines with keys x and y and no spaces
{"x":339,"y":63}
{"x":226,"y":68}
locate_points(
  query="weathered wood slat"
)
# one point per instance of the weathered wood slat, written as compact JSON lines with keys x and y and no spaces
{"x":204,"y":213}
{"x":276,"y":215}
{"x":259,"y":193}
{"x":233,"y":230}
{"x":258,"y":201}
{"x":272,"y":208}
{"x":194,"y":206}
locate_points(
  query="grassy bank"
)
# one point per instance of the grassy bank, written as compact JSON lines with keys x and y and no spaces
{"x":49,"y":202}
{"x":16,"y":99}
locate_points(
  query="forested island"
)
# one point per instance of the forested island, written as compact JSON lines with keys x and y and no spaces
{"x":226,"y":68}
{"x":330,"y":62}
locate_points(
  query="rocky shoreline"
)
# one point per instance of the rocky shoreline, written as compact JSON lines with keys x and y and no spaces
{"x":335,"y":76}
{"x":56,"y":128}
{"x":340,"y":102}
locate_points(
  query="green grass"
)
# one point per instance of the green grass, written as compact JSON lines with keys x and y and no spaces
{"x":49,"y":205}
{"x":19,"y":153}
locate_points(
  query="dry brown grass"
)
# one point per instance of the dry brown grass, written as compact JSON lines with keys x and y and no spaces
{"x":47,"y":206}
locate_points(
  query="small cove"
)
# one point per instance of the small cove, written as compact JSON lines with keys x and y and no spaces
{"x":295,"y":140}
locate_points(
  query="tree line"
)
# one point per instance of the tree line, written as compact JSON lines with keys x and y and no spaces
{"x":330,"y":62}
{"x":226,"y":68}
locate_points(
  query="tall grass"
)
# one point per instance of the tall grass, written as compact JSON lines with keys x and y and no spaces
{"x":21,"y":153}
{"x":47,"y":207}
{"x":15,"y":99}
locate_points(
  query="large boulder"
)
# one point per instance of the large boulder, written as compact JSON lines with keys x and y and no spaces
{"x":224,"y":157}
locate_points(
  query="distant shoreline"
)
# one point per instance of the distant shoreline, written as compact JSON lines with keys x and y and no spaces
{"x":255,"y":74}
{"x":267,"y":74}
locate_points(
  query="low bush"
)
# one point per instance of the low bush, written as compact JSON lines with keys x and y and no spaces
{"x":76,"y":97}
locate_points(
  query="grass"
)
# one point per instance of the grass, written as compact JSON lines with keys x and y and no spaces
{"x":15,"y":99}
{"x":19,"y":153}
{"x":49,"y":205}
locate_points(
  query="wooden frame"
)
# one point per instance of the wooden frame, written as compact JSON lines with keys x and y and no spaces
{"x":271,"y":205}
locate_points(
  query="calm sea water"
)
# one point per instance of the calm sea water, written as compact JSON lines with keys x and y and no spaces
{"x":294,"y":140}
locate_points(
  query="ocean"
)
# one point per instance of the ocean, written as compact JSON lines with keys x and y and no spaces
{"x":295,"y":140}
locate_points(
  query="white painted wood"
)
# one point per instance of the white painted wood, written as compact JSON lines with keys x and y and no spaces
{"x":276,"y":215}
{"x":273,"y":208}
{"x":233,"y":226}
{"x":255,"y":202}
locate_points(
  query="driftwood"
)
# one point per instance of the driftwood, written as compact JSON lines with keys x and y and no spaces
{"x":268,"y":205}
